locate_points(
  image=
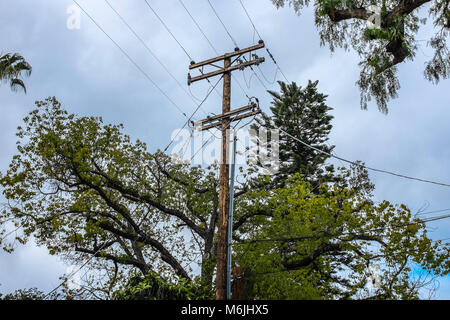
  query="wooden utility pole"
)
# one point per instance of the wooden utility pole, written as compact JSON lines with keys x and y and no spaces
{"x":223,"y":121}
{"x":238,"y":285}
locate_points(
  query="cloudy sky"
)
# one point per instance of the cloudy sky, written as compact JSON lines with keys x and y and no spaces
{"x":91,"y":76}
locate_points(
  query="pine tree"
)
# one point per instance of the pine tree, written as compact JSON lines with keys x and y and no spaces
{"x":303,"y":113}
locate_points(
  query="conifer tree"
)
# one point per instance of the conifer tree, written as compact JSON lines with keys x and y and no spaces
{"x":302,"y":113}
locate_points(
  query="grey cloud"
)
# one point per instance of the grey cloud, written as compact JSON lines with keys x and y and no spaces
{"x":90,"y":76}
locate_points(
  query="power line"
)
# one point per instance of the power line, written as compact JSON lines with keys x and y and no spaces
{"x":189,"y":56}
{"x":249,"y":80}
{"x":358,"y":164}
{"x":195,"y":111}
{"x":168,"y":30}
{"x":254,"y":241}
{"x":175,"y":38}
{"x":436,"y":218}
{"x":210,"y":44}
{"x":8,"y":234}
{"x":259,"y":35}
{"x":234,"y":41}
{"x":151,"y":51}
{"x":141,"y":70}
{"x":213,"y":135}
{"x":276,"y":63}
{"x":288,"y":270}
{"x":198,"y":26}
{"x":265,"y":78}
{"x":435,"y":211}
{"x":324,"y":235}
{"x":192,"y":158}
{"x":76,"y":271}
{"x":186,"y":145}
{"x":251,"y":21}
{"x":226,"y":29}
{"x":256,"y":75}
{"x":131,"y":59}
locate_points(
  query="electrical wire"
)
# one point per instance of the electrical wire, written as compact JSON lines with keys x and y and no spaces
{"x":192,"y":158}
{"x":196,"y":98}
{"x":212,"y":135}
{"x":265,"y":78}
{"x":251,"y":21}
{"x":249,"y":80}
{"x":436,"y":218}
{"x":224,"y":26}
{"x":152,"y":53}
{"x":234,"y":41}
{"x":131,"y":59}
{"x":186,"y":144}
{"x":168,"y":30}
{"x":256,"y":75}
{"x":198,"y":26}
{"x":140,"y":69}
{"x":301,"y":237}
{"x":175,"y":38}
{"x":76,"y":271}
{"x":435,"y":211}
{"x":8,"y":234}
{"x":358,"y":164}
{"x":259,"y":35}
{"x":195,"y":111}
{"x":210,"y":44}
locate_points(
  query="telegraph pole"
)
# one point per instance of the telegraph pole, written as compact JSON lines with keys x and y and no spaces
{"x":223,"y":122}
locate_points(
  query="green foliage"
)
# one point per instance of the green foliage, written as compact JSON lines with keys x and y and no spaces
{"x":153,"y":287}
{"x":320,"y":246}
{"x":24,"y":294}
{"x":11,"y":68}
{"x":344,"y":24}
{"x":302,"y":113}
{"x":29,"y":294}
{"x":91,"y":196}
{"x":82,"y":188}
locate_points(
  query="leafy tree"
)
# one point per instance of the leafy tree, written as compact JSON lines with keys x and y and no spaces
{"x":145,"y":225}
{"x":383,"y":33}
{"x":27,"y":294}
{"x":153,"y":287}
{"x":84,"y":190}
{"x":309,"y":237}
{"x":11,"y":68}
{"x":320,"y":246}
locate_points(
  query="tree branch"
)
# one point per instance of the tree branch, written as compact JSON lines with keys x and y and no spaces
{"x":166,"y":256}
{"x":177,"y":180}
{"x":344,"y":14}
{"x":121,"y":260}
{"x":117,"y":185}
{"x":305,"y":262}
{"x":247,"y":216}
{"x":404,"y":8}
